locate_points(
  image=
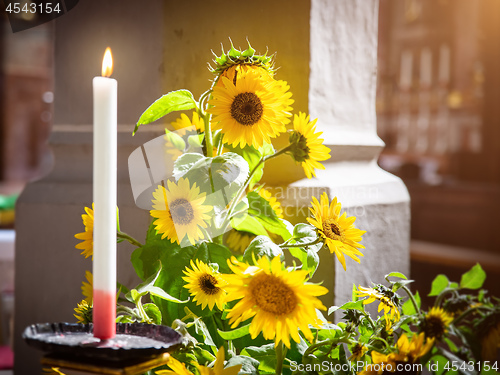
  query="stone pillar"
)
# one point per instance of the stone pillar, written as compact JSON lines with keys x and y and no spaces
{"x":342,"y":84}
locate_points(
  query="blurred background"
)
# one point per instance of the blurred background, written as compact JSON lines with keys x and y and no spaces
{"x":438,"y":112}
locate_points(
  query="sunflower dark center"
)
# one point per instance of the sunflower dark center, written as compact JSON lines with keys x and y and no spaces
{"x":272,"y":295}
{"x":434,"y":327}
{"x":181,"y":211}
{"x":332,"y":230}
{"x":208,"y":284}
{"x":247,"y":108}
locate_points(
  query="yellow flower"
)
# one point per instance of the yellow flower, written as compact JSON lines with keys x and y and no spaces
{"x":408,"y":352}
{"x":179,"y":211}
{"x":275,"y":205}
{"x":88,"y":287}
{"x":387,"y":304}
{"x":337,"y":231}
{"x":184,"y":122}
{"x":306,"y":146}
{"x":238,"y":240}
{"x":83,"y":312}
{"x":236,"y":71}
{"x":205,"y":285}
{"x":278,"y":300}
{"x":250,"y":112}
{"x":218,"y":368}
{"x":357,"y":352}
{"x":176,"y":368}
{"x":88,"y":240}
{"x":436,"y":323}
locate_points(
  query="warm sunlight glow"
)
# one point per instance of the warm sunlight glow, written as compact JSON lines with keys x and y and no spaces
{"x":107,"y":63}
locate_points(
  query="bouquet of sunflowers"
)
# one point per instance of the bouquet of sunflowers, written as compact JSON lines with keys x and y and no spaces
{"x":213,"y":258}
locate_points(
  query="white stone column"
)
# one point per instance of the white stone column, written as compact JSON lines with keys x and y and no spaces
{"x":342,"y":84}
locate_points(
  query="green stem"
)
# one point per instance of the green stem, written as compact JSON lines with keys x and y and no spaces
{"x":285,"y":245}
{"x":279,"y":358}
{"x":467,"y":312}
{"x":243,"y":188}
{"x":412,"y":299}
{"x":129,"y":238}
{"x":208,"y":136}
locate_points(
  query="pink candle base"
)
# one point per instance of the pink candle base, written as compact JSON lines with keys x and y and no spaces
{"x":104,"y":314}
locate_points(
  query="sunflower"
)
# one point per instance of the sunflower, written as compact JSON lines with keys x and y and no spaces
{"x":236,"y":71}
{"x":252,"y":111}
{"x":305,"y":145}
{"x":337,"y":231}
{"x":408,"y":352}
{"x":88,"y":240}
{"x":279,"y":300}
{"x":238,"y":240}
{"x":83,"y":312}
{"x":489,"y":334}
{"x":436,"y":323}
{"x":275,"y":205}
{"x":88,"y":287}
{"x":205,"y":285}
{"x":357,"y":352}
{"x":184,"y":122}
{"x":218,"y":368}
{"x":389,"y":300}
{"x":179,"y":211}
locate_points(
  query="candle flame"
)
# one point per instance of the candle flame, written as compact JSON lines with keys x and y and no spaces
{"x":107,"y":63}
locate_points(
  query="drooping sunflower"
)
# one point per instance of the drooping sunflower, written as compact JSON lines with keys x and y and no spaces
{"x":88,"y":240}
{"x":305,"y":145}
{"x":436,"y":323}
{"x":88,"y":287}
{"x":278,"y":300}
{"x":184,"y":122}
{"x":250,"y":112}
{"x":358,"y":350}
{"x":179,"y":211}
{"x":83,"y":312}
{"x":488,"y":330}
{"x":238,"y":240}
{"x":337,"y":231}
{"x":389,"y":300}
{"x":273,"y":202}
{"x":205,"y":285}
{"x":407,"y":352}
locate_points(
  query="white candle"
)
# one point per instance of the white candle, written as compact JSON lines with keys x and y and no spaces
{"x":104,"y":264}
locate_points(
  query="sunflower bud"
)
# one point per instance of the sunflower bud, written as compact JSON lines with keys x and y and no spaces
{"x":247,"y":58}
{"x":298,"y":147}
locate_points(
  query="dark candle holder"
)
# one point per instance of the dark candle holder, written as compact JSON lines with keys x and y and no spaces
{"x":133,"y":344}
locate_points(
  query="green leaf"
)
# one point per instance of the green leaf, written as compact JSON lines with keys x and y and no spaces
{"x":235,"y":333}
{"x":265,"y":354}
{"x":308,"y":257}
{"x":185,"y":162}
{"x":247,"y":223}
{"x":474,"y":278}
{"x":153,"y":312}
{"x":408,"y":308}
{"x":438,"y":285}
{"x":264,"y":213}
{"x":259,"y":247}
{"x":396,"y":274}
{"x":358,"y":305}
{"x":249,"y":365}
{"x":179,"y":100}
